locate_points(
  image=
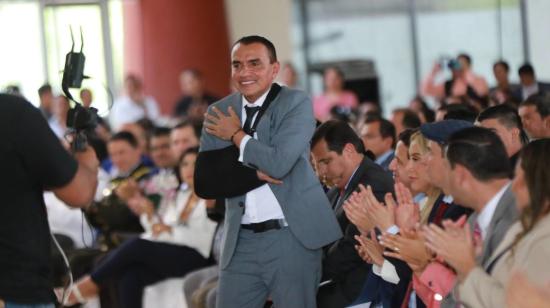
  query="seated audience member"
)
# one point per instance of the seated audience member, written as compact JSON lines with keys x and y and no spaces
{"x":378,"y":136}
{"x":141,"y":136}
{"x":525,"y":245}
{"x":339,"y":156}
{"x":529,"y":84}
{"x":504,"y":120}
{"x":58,"y":121}
{"x":334,"y":95}
{"x":185,"y":135}
{"x":195,"y":100}
{"x":403,"y":118}
{"x":86,"y":97}
{"x":425,"y":113}
{"x":177,"y":240}
{"x":164,"y":180}
{"x":478,"y":163}
{"x":463,"y":82}
{"x":45,"y":94}
{"x":110,"y":212}
{"x":134,"y":106}
{"x":432,"y":165}
{"x":289,"y":76}
{"x":503,"y":91}
{"x":535,"y":116}
{"x":456,"y":112}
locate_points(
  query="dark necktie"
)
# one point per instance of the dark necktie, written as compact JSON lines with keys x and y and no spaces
{"x":250,"y":112}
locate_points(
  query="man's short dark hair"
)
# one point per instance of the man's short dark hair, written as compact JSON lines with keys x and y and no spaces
{"x":526,"y":69}
{"x":481,"y":152}
{"x":386,"y":128}
{"x":541,"y":101}
{"x":405,"y":136}
{"x":466,"y":57}
{"x":410,"y":118}
{"x":195,"y":125}
{"x":337,"y":134}
{"x":126,"y":137}
{"x":502,"y":63}
{"x":507,"y":116}
{"x":460,"y":112}
{"x":251,"y":39}
{"x":160,"y":131}
{"x":46,"y":88}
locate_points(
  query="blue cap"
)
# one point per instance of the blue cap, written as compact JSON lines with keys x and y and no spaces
{"x":442,"y":130}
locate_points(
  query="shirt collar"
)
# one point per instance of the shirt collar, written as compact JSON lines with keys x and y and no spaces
{"x":351,"y":177}
{"x":486,"y":215}
{"x":380,"y":159}
{"x":448,"y":199}
{"x":258,"y":103}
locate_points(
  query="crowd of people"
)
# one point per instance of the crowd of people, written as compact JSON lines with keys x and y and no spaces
{"x":436,"y":206}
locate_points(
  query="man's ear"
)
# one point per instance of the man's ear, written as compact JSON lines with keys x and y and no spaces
{"x":348,"y":149}
{"x":461,"y":175}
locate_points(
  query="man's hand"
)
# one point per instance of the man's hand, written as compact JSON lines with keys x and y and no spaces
{"x":88,"y":159}
{"x":382,"y":216}
{"x":356,"y":211}
{"x":407,"y":213}
{"x":454,"y":245}
{"x":221,"y":125}
{"x":370,"y":249}
{"x":266,"y":178}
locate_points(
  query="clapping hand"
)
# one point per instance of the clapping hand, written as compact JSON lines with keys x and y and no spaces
{"x":454,"y":244}
{"x":407,"y":213}
{"x":356,"y":210}
{"x":409,"y":247}
{"x":369,"y":249}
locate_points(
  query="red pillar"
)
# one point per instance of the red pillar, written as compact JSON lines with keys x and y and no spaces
{"x":174,"y":35}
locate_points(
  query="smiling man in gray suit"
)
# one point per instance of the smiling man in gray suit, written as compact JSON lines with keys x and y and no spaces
{"x":274,"y":232}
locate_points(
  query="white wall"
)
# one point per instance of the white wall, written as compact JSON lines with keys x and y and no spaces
{"x":268,"y":18}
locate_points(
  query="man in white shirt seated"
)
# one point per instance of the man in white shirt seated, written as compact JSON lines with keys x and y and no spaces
{"x":134,"y":106}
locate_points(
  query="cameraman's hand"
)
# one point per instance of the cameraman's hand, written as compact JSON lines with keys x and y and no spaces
{"x":88,"y":159}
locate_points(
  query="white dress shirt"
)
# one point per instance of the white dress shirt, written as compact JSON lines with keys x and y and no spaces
{"x":260,"y":203}
{"x":529,"y":90}
{"x":127,"y":111}
{"x":486,"y":215}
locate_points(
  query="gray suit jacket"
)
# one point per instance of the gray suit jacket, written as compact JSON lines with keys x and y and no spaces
{"x":506,"y":214}
{"x":281,"y":151}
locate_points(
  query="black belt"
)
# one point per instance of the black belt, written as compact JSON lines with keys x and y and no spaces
{"x":265,"y":225}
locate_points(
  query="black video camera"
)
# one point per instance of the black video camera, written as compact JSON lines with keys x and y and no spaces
{"x":80,"y":121}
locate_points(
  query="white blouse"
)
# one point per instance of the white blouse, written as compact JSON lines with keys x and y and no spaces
{"x":197,"y":232}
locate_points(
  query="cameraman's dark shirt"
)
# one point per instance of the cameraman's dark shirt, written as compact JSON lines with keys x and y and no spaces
{"x":31,"y":160}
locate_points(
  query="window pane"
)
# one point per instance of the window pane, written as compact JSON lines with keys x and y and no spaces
{"x":21,"y":57}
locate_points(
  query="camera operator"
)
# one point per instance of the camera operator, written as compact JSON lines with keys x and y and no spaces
{"x":33,"y":160}
{"x":462,"y":83}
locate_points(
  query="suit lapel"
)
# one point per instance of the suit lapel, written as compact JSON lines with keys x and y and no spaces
{"x":499,"y":214}
{"x":353,"y":183}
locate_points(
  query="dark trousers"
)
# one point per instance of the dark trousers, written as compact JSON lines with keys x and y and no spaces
{"x":138,"y":263}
